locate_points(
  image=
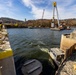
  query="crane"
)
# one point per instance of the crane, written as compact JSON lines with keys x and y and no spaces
{"x":53,"y":20}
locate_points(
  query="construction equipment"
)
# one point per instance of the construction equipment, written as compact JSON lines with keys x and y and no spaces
{"x":53,"y":20}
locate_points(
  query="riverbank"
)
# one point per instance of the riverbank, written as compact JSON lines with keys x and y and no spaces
{"x":13,"y":23}
{"x":68,"y":46}
{"x":69,"y":66}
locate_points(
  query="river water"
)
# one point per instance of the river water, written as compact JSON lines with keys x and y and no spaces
{"x":34,"y":44}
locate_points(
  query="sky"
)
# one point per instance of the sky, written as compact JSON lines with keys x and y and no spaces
{"x":33,"y":9}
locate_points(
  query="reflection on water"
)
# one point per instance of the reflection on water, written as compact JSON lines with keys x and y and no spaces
{"x":34,"y":43}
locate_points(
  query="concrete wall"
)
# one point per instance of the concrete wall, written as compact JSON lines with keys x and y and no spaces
{"x":7,"y":66}
{"x":66,"y":42}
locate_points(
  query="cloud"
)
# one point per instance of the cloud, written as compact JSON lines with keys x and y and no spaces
{"x":5,"y":4}
{"x":28,"y":3}
{"x":7,"y":9}
{"x":35,"y":10}
{"x":9,"y":3}
{"x":66,"y":8}
{"x":10,"y":8}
